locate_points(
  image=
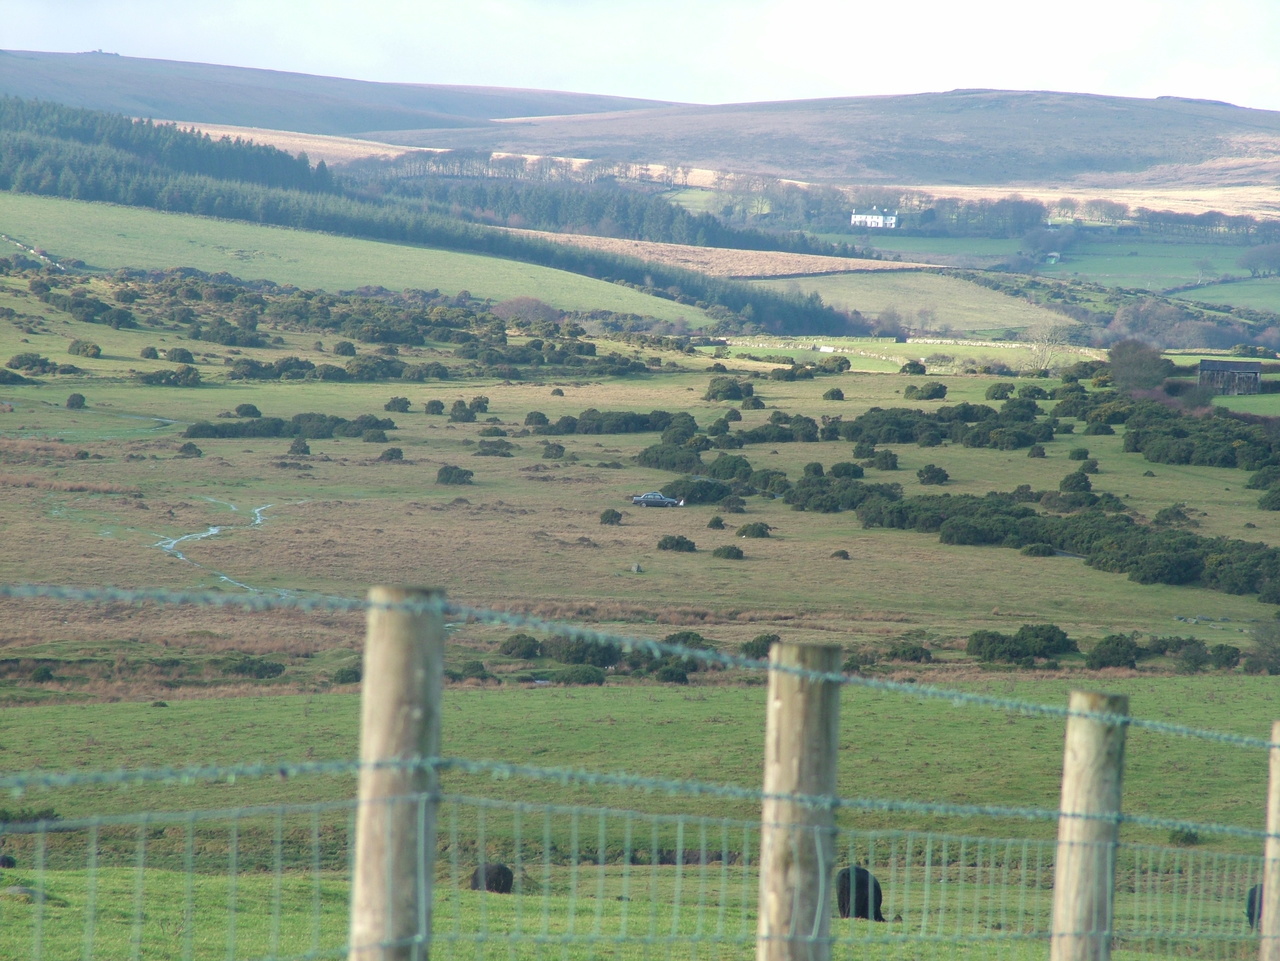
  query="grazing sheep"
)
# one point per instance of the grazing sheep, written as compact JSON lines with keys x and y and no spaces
{"x":492,"y":877}
{"x":1253,"y":906}
{"x":867,"y":896}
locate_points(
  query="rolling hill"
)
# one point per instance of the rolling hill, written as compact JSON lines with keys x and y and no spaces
{"x":201,"y":92}
{"x":956,"y":138}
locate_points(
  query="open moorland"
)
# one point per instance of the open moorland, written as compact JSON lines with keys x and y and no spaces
{"x":997,"y":507}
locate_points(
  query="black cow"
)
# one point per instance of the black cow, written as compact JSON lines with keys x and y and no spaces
{"x":867,"y":896}
{"x":492,"y":877}
{"x":1253,"y":906}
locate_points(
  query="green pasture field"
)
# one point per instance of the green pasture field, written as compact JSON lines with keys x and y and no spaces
{"x":1148,"y":263}
{"x":922,"y":299}
{"x":108,"y":237}
{"x":1262,"y":293}
{"x":951,"y":251}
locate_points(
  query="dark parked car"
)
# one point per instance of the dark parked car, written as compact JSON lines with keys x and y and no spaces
{"x":655,"y":499}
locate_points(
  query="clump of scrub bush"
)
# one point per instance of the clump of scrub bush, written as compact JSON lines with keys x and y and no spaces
{"x":677,"y":542}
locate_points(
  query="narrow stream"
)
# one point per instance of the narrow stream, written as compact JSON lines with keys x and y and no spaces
{"x":173,"y":545}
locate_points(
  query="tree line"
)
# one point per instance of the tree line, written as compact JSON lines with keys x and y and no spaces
{"x":69,"y":166}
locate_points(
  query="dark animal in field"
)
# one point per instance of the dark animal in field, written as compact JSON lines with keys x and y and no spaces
{"x":7,"y":861}
{"x":492,"y":877}
{"x":1253,"y":906}
{"x":867,"y":896}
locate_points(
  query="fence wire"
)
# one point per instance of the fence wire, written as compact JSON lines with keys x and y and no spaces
{"x":590,"y":878}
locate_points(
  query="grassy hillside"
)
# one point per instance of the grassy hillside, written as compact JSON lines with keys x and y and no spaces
{"x":108,"y":237}
{"x":953,"y":138}
{"x":173,"y":90}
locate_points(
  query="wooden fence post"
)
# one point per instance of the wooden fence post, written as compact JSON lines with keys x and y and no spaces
{"x":1270,"y":900}
{"x":1084,"y":872}
{"x":395,"y":818}
{"x":797,"y":842}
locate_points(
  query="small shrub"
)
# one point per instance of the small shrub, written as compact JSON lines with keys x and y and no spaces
{"x":299,"y":446}
{"x":374,"y":435}
{"x":1078,"y":453}
{"x":179,"y":355}
{"x":840,"y":554}
{"x":1184,"y":838}
{"x":835,"y":393}
{"x":1038,"y":550}
{"x":247,"y":410}
{"x":1001,"y":391}
{"x":677,"y":542}
{"x":521,"y":646}
{"x":391,"y":453}
{"x":75,"y":402}
{"x":1224,"y":656}
{"x":756,"y":530}
{"x":1114,"y":650}
{"x":84,"y":348}
{"x":475,"y":669}
{"x":42,"y":674}
{"x":449,"y":474}
{"x":610,"y":517}
{"x":752,"y":403}
{"x":759,"y":646}
{"x":344,"y":348}
{"x":149,"y":353}
{"x":580,"y":674}
{"x":460,"y":413}
{"x":716,"y":523}
{"x":553,"y":451}
{"x":884,"y":460}
{"x":556,"y":392}
{"x":434,"y":407}
{"x":913,"y":367}
{"x":907,"y":651}
{"x":1035,"y":450}
{"x":932,"y":474}
{"x":348,"y":675}
{"x":254,"y":667}
{"x":671,"y":674}
{"x":190,"y":450}
{"x":399,"y":405}
{"x":730,"y":552}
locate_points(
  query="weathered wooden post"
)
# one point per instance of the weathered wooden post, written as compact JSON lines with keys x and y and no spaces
{"x":1088,"y":829}
{"x":797,"y":841}
{"x":1270,"y":899}
{"x":395,"y":819}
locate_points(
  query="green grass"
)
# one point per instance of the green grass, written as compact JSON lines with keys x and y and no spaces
{"x":935,"y":301}
{"x":107,"y":237}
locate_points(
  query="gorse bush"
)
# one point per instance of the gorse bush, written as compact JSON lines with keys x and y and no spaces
{"x":678,"y":543}
{"x":759,"y":646}
{"x":449,"y":474}
{"x":522,"y":646}
{"x":729,"y":552}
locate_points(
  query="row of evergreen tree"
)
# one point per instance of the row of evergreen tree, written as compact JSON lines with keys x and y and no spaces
{"x":598,"y":210}
{"x":49,"y":149}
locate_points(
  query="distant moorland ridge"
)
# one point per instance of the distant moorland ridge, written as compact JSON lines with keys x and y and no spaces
{"x":954,"y":139}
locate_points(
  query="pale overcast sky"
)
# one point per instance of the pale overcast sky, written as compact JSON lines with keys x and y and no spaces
{"x":701,"y":51}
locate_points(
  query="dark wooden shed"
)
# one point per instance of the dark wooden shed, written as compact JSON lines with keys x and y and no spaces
{"x":1231,"y":376}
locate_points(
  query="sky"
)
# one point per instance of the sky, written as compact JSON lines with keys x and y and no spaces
{"x":701,"y":51}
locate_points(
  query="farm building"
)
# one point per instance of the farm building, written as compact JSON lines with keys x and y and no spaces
{"x":875,"y":217}
{"x":1231,"y":376}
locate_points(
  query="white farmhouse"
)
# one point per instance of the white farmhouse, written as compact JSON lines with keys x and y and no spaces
{"x":875,"y":217}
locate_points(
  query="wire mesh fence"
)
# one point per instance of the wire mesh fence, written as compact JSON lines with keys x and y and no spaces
{"x":173,"y":872}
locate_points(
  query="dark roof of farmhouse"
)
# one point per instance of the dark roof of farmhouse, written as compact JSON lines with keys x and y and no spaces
{"x":1237,"y":366}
